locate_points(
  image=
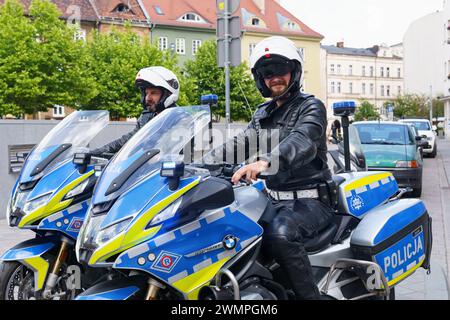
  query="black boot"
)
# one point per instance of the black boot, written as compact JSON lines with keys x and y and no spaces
{"x":294,"y":262}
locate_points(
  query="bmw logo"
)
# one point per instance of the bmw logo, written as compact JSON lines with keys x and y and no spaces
{"x":230,"y":242}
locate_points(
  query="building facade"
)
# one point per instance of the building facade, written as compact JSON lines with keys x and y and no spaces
{"x":374,"y":74}
{"x":427,"y":57}
{"x":181,"y":26}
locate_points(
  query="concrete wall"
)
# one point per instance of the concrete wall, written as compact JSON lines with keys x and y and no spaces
{"x":19,"y":132}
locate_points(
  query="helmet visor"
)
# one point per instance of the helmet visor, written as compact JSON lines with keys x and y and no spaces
{"x":274,"y":70}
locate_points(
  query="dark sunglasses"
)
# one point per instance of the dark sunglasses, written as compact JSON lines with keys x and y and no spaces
{"x":273,"y":70}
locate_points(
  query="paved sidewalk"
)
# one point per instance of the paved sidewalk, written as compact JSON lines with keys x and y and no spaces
{"x":436,"y":193}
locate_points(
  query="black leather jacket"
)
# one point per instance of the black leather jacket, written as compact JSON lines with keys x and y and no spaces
{"x":114,"y":146}
{"x":302,"y":152}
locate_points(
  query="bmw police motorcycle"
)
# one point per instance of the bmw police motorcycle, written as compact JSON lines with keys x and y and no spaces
{"x":177,"y":231}
{"x":51,"y":198}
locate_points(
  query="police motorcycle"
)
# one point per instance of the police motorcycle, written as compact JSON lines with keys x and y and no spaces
{"x":51,"y":198}
{"x":179,"y":231}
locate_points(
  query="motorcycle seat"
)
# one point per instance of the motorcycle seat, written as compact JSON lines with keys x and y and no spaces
{"x":323,"y":240}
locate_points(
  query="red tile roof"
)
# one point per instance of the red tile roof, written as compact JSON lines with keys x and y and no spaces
{"x":67,"y":7}
{"x":174,"y":9}
{"x":94,"y":10}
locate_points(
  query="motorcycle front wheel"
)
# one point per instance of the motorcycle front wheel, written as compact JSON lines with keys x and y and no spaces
{"x":16,"y":282}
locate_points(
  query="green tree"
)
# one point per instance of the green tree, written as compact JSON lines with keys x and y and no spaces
{"x":206,"y":77}
{"x":40,"y":63}
{"x":115,"y":59}
{"x":366,"y":111}
{"x":410,"y":105}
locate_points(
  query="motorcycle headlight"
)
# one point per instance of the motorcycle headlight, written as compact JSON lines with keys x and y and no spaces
{"x":167,"y":213}
{"x":107,"y":234}
{"x":34,"y":204}
{"x":79,"y":189}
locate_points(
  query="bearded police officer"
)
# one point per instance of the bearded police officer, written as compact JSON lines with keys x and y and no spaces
{"x":300,"y":158}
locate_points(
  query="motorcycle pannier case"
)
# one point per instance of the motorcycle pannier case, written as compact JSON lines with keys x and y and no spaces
{"x":397,"y":236}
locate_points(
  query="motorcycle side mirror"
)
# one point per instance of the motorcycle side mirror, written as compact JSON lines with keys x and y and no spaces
{"x":173,"y":171}
{"x":82,"y":160}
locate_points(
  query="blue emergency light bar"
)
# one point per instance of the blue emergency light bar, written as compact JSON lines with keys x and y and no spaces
{"x":344,"y":108}
{"x":209,"y":99}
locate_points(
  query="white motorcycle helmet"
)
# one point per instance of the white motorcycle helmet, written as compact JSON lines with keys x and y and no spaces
{"x":275,"y":56}
{"x":162,"y":78}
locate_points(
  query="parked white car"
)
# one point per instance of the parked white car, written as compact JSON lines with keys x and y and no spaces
{"x":428,"y":132}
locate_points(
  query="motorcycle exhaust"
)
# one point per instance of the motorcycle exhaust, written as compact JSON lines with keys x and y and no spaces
{"x":218,"y":292}
{"x":214,"y":293}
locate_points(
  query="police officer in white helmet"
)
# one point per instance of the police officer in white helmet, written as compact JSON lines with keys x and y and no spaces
{"x":302,"y":210}
{"x":160,"y":90}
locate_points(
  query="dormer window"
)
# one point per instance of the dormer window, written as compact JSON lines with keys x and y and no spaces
{"x":255,"y":22}
{"x":122,"y":8}
{"x":291,"y":25}
{"x":192,"y":17}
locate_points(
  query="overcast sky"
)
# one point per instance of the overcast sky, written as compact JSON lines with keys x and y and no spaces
{"x":361,"y":23}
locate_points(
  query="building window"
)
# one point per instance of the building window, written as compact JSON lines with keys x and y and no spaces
{"x":158,"y":10}
{"x":58,"y":111}
{"x":302,"y":53}
{"x":364,"y":71}
{"x":255,"y":22}
{"x":333,"y":88}
{"x":251,"y":47}
{"x":371,"y":71}
{"x":180,"y":45}
{"x":192,"y":17}
{"x":338,"y":87}
{"x":372,"y":89}
{"x":163,"y":43}
{"x":399,"y":73}
{"x":388,"y":91}
{"x":350,"y":87}
{"x":350,"y":70}
{"x":363,"y":88}
{"x":382,"y":91}
{"x":338,"y":69}
{"x":382,"y":72}
{"x":388,"y":72}
{"x":195,"y":46}
{"x":399,"y":90}
{"x":292,"y":25}
{"x":332,"y":70}
{"x":121,"y":8}
{"x":80,"y":34}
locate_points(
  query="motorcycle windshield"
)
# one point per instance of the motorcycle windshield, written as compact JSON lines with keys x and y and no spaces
{"x":163,"y":138}
{"x":60,"y":144}
{"x":358,"y":160}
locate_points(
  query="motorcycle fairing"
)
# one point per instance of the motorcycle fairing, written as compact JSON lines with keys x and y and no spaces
{"x":188,"y":258}
{"x":138,"y":230}
{"x":67,"y":221}
{"x":117,"y":289}
{"x":29,"y":249}
{"x":56,"y":202}
{"x":30,"y":254}
{"x":363,"y":191}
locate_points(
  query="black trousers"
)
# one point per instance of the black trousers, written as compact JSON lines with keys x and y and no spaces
{"x":284,"y":238}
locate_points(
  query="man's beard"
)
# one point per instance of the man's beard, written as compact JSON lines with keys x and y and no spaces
{"x":280,"y":90}
{"x":151,"y":107}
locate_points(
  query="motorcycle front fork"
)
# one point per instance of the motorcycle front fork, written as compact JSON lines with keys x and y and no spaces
{"x":54,"y":275}
{"x":153,"y":288}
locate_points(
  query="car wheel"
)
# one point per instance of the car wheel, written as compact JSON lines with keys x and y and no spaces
{"x":417,"y":193}
{"x":434,"y":153}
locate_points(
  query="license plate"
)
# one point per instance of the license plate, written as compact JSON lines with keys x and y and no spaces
{"x":403,"y":256}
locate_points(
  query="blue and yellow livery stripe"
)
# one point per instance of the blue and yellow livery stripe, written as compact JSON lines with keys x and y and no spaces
{"x":40,"y":268}
{"x":55,"y":204}
{"x":365,"y":181}
{"x":137,"y":231}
